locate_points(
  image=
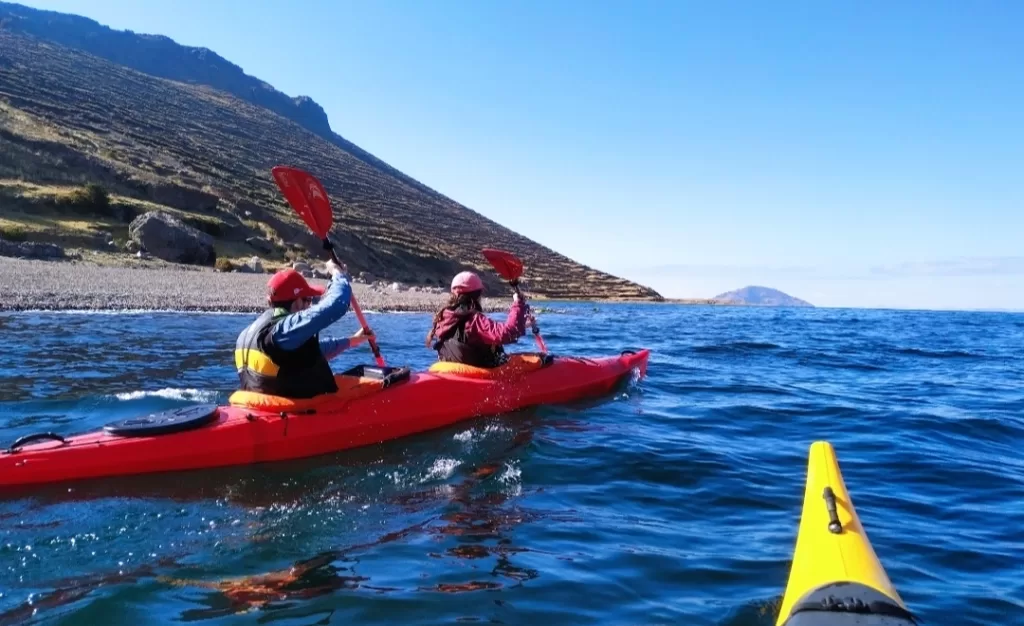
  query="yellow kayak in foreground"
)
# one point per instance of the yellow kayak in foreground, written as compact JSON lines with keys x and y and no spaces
{"x":836,"y":579}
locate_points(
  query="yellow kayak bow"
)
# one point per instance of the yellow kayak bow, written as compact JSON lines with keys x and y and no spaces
{"x":835,"y":578}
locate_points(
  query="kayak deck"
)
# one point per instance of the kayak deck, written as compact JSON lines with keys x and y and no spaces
{"x":246,"y":431}
{"x":835,"y":577}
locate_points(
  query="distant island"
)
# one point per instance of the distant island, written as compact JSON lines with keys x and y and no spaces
{"x":760,"y":296}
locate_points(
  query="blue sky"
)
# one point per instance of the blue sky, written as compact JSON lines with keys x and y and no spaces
{"x":851,"y":154}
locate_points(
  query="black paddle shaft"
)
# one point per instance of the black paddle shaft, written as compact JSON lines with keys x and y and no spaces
{"x":374,"y":348}
{"x":329,"y":246}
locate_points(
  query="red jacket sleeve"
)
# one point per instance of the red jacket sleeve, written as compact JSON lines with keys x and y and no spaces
{"x":482,"y":329}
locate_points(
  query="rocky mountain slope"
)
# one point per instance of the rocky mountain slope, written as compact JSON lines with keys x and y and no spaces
{"x":164,"y":126}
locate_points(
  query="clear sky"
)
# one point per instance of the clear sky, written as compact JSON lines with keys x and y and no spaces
{"x":851,"y":154}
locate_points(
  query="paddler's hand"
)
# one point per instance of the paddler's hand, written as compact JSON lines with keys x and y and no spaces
{"x":335,"y":269}
{"x":360,"y":336}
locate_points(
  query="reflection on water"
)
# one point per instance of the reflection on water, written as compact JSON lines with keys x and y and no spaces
{"x":475,"y":518}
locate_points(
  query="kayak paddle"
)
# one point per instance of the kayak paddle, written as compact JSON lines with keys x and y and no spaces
{"x":509,"y":267}
{"x":307,"y":196}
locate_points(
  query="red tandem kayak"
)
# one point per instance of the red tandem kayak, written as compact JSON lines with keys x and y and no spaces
{"x":372,"y":405}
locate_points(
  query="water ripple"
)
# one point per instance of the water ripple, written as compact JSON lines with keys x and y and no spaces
{"x":674,"y":501}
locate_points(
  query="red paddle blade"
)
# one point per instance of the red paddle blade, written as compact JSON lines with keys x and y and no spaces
{"x":506,"y":264}
{"x":307,"y":196}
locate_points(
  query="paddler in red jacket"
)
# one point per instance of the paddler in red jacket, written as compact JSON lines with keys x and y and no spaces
{"x":462,"y":333}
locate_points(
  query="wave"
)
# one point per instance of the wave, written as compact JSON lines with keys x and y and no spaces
{"x":736,"y":346}
{"x":805,"y":410}
{"x":840,"y":362}
{"x":939,"y":354}
{"x":728,"y":388}
{"x":170,"y":393}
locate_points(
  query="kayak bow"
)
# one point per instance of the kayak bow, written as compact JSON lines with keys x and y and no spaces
{"x":835,"y":578}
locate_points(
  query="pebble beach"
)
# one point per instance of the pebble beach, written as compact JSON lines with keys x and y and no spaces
{"x":34,"y":285}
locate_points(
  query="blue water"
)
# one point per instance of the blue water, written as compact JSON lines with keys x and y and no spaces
{"x":675,"y":500}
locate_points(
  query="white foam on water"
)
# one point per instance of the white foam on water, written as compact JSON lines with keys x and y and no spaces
{"x":510,"y":474}
{"x":510,"y":478}
{"x":170,"y":393}
{"x":398,"y":477}
{"x":496,"y":428}
{"x":464,"y":436}
{"x":441,"y":469}
{"x":477,"y":434}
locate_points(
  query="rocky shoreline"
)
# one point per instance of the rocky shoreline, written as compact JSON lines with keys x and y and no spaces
{"x":33,"y":285}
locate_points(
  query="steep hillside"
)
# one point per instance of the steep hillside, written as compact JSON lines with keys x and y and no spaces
{"x":760,"y":296}
{"x":68,"y":117}
{"x":161,"y":56}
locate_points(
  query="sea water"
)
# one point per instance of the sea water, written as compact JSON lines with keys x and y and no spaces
{"x":672,"y":500}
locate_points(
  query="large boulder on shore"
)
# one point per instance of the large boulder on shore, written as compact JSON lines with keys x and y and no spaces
{"x":167,"y":237}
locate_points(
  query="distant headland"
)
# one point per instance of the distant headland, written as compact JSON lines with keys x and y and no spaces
{"x":760,"y":296}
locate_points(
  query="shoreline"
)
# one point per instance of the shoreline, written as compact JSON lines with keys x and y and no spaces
{"x":98,"y":283}
{"x":101,"y":284}
{"x":32,"y":285}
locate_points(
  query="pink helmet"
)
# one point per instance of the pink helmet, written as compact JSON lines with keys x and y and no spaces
{"x":466,"y":282}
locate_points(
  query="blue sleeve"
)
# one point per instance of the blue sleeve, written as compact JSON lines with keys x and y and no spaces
{"x":332,"y":347}
{"x":298,"y":328}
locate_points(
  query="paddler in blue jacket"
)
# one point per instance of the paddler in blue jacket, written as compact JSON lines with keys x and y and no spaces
{"x":282,"y":353}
